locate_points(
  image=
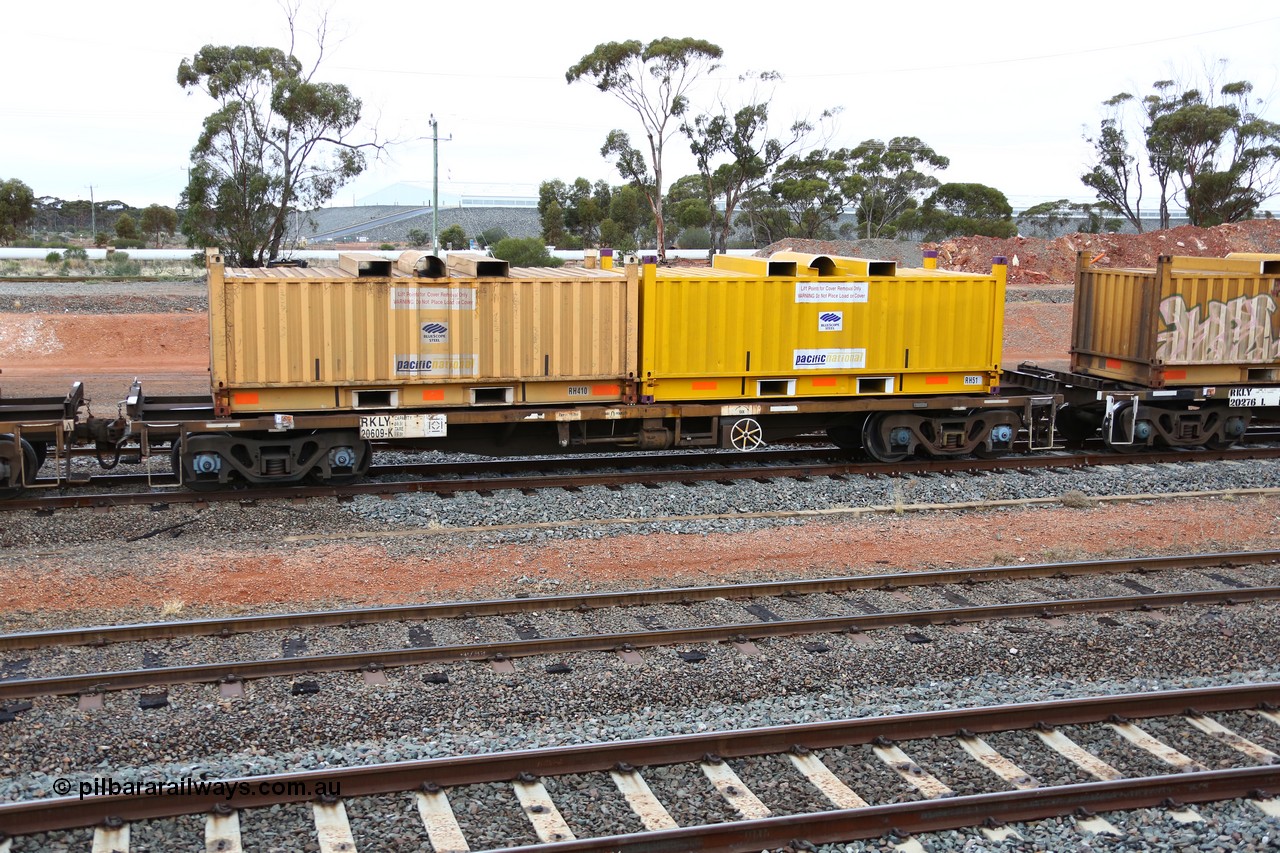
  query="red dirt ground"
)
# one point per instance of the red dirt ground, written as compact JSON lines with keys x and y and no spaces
{"x":364,"y":572}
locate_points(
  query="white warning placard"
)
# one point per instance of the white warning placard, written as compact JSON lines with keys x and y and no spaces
{"x":831,"y":291}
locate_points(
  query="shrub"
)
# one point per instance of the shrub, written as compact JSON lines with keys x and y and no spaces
{"x":386,"y":247}
{"x":76,"y":253}
{"x":101,"y":239}
{"x":525,"y":252}
{"x":53,"y":258}
{"x":121,"y":265}
{"x":694,"y":238}
{"x":130,"y":243}
{"x":454,"y":237}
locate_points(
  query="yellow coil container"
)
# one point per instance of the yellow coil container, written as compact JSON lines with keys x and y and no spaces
{"x":325,"y":338}
{"x":738,"y":332}
{"x":1190,"y":321}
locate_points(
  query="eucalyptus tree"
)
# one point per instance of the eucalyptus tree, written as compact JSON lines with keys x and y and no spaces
{"x":653,"y":80}
{"x":279,"y":141}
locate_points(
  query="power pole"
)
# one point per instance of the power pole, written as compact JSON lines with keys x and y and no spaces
{"x":93,"y":216}
{"x":435,"y":183}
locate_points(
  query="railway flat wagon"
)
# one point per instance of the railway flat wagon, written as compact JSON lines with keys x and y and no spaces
{"x":823,"y":328}
{"x":1185,"y":354}
{"x":311,"y":365}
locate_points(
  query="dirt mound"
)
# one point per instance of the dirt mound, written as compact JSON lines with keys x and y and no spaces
{"x":1037,"y":261}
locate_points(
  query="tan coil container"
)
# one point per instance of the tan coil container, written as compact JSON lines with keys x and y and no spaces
{"x":301,"y":339}
{"x":1190,"y":321}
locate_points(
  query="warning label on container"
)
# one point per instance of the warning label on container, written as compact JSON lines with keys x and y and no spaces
{"x":433,"y":298}
{"x":438,"y":364}
{"x":830,"y":359}
{"x":831,"y":291}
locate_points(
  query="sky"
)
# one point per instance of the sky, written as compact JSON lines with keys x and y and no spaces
{"x":1006,"y":90}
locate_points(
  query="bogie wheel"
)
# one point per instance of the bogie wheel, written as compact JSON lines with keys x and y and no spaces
{"x":746,"y":434}
{"x":874,"y":444}
{"x":189,"y":480}
{"x":30,"y":464}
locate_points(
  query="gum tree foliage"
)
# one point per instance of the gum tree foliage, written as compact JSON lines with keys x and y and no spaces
{"x":571,"y":214}
{"x":653,"y":80}
{"x":17,"y":208}
{"x":969,"y":209}
{"x":1050,"y":217}
{"x":1207,"y":149}
{"x":454,"y":237}
{"x":1114,"y":177}
{"x":688,"y":203}
{"x":630,"y":220}
{"x":126,"y":228}
{"x":885,"y":181}
{"x":279,"y":141}
{"x":158,"y":220}
{"x":741,"y":135}
{"x":810,"y":192}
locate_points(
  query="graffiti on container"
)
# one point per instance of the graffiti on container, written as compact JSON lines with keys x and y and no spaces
{"x":1240,"y":330}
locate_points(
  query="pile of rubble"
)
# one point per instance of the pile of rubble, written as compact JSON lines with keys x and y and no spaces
{"x":1038,"y":261}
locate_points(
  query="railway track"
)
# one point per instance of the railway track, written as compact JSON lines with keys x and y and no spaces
{"x":788,"y":609}
{"x":532,"y":475}
{"x":845,"y":780}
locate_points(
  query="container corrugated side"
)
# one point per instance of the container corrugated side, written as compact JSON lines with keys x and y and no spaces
{"x":1189,"y":321}
{"x":320,"y":333}
{"x":721,"y":334}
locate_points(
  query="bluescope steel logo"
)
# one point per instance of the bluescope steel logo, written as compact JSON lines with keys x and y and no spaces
{"x":830,"y":321}
{"x":829,"y":359}
{"x":435,"y":333}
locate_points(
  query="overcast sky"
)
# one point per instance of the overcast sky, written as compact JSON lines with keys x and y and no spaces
{"x":1004,"y":89}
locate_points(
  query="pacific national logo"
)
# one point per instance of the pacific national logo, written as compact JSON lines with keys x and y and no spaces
{"x":435,"y":333}
{"x":829,"y":359}
{"x":831,"y":321}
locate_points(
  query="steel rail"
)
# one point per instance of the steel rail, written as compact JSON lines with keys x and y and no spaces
{"x":99,"y":682}
{"x":54,"y":814}
{"x":355,"y":617}
{"x":500,"y":467}
{"x":617,"y":478}
{"x":930,"y":815}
